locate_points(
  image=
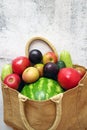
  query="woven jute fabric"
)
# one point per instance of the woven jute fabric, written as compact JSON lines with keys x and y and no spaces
{"x":67,"y":111}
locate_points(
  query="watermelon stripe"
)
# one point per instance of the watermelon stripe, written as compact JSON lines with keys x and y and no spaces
{"x":47,"y":96}
{"x":42,"y":89}
{"x":30,"y":88}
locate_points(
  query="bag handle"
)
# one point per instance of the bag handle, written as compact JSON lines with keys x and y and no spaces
{"x":28,"y":44}
{"x":56,"y":99}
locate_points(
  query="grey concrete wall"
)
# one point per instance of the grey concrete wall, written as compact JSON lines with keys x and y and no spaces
{"x":63,"y":22}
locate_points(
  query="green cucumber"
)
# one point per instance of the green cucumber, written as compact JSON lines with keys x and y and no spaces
{"x":66,"y":57}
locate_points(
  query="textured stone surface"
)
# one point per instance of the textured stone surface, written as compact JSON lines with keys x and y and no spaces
{"x":63,"y":22}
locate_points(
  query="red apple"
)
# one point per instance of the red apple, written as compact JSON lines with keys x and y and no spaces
{"x":30,"y":74}
{"x":12,"y":81}
{"x":49,"y":57}
{"x":19,"y":64}
{"x":68,"y":78}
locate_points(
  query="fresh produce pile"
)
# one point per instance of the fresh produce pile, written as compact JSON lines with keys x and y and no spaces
{"x":41,"y":76}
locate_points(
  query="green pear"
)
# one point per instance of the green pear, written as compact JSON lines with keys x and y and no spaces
{"x":39,"y":66}
{"x":6,"y":70}
{"x":66,"y":57}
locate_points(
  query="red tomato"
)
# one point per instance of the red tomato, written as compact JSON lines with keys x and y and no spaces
{"x":68,"y":78}
{"x":19,"y":64}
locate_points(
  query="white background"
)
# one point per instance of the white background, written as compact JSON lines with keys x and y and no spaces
{"x":63,"y":22}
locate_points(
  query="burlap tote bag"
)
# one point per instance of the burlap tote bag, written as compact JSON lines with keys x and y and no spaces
{"x":65,"y":111}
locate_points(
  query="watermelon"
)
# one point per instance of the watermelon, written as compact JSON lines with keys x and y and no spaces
{"x":42,"y":89}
